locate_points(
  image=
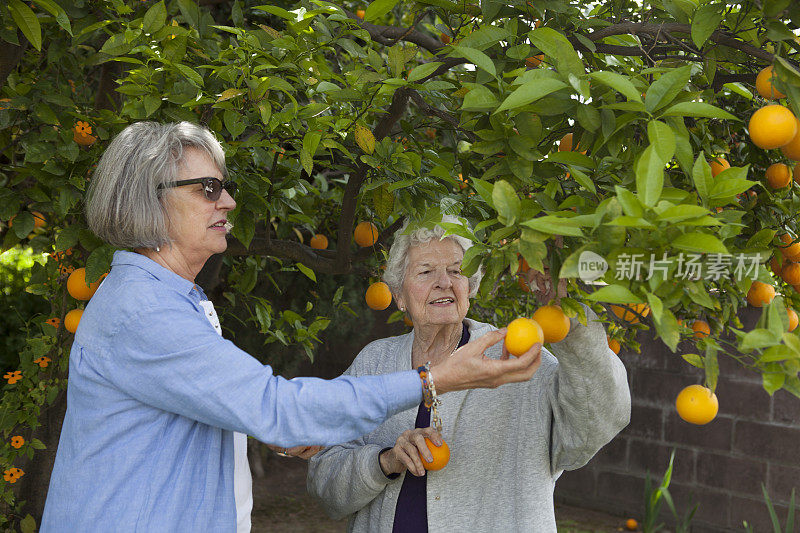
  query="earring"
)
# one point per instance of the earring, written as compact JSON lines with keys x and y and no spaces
{"x":158,"y":249}
{"x":403,"y":309}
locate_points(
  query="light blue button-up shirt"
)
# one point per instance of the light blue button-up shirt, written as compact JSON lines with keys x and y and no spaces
{"x":154,"y":395}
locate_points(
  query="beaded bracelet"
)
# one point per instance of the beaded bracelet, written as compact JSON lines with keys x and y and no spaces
{"x":429,"y":397}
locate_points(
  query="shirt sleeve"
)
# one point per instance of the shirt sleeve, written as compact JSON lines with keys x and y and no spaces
{"x":345,"y":478}
{"x":587,"y":394}
{"x":169,"y":357}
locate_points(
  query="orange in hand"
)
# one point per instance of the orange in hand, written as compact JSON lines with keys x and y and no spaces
{"x":441,"y":455}
{"x":554,"y":323}
{"x":522,"y":334}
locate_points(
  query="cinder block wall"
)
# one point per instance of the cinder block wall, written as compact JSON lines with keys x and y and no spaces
{"x":720,"y":466}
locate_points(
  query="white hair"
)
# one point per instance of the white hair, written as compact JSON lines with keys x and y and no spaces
{"x":395,"y":273}
{"x":124,"y":206}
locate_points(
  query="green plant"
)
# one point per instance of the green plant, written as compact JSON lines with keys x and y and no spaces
{"x":773,"y":516}
{"x":655,"y":497}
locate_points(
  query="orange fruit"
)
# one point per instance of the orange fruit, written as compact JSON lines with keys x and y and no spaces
{"x":613,"y":344}
{"x":778,"y":175}
{"x":772,"y":126}
{"x":792,"y":150}
{"x":523,"y":264}
{"x":792,"y":250}
{"x":38,"y":220}
{"x":697,"y":405}
{"x":792,"y":318}
{"x":566,"y":143}
{"x":360,"y":13}
{"x":760,"y":294}
{"x":72,"y":319}
{"x":365,"y":234}
{"x":764,"y":84}
{"x":444,"y":38}
{"x":718,"y":164}
{"x":701,"y":329}
{"x":378,"y":296}
{"x":553,"y":321}
{"x":77,"y":286}
{"x":631,"y":524}
{"x":441,"y":455}
{"x":522,"y":334}
{"x":776,"y":264}
{"x":630,"y":312}
{"x":790,"y":273}
{"x":534,"y":61}
{"x":318,"y":242}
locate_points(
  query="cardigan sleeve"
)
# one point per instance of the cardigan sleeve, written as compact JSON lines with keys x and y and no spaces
{"x":346,"y":477}
{"x":587,"y":395}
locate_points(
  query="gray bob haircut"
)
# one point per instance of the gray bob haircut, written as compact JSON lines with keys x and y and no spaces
{"x":124,"y":206}
{"x":395,"y":273}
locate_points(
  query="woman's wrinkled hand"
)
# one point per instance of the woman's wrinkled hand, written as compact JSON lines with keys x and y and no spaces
{"x":407,"y":449}
{"x":469,"y":368}
{"x":303,"y":452}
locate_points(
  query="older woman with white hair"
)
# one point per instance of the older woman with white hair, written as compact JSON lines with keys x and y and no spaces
{"x":507,"y":446}
{"x":155,"y":393}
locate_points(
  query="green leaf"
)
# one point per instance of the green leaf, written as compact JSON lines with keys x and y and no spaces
{"x":479,"y":98}
{"x":307,"y":161}
{"x":99,"y":262}
{"x":27,"y":22}
{"x":772,"y":381}
{"x":190,"y":73}
{"x":557,"y":47}
{"x":554,"y":225}
{"x":233,"y":122}
{"x":699,"y":243}
{"x":485,"y":37}
{"x":693,"y":359}
{"x":619,"y":83}
{"x":27,"y":524}
{"x":662,"y":139}
{"x":279,"y":12}
{"x":116,"y":45}
{"x":423,"y":70}
{"x":679,"y":213}
{"x":307,"y":271}
{"x":58,"y":12}
{"x":706,"y":19}
{"x":697,"y":109}
{"x":701,"y":174}
{"x":476,"y":57}
{"x":630,"y":204}
{"x":379,"y":8}
{"x":666,"y":88}
{"x":530,"y":92}
{"x":615,"y":294}
{"x":155,"y":18}
{"x":649,"y":176}
{"x":506,"y":202}
{"x":711,"y":365}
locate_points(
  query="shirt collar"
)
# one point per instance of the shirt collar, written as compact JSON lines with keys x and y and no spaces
{"x":181,"y":284}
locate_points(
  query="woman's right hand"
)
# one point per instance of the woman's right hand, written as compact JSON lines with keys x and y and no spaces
{"x":469,"y":368}
{"x":406,"y":451}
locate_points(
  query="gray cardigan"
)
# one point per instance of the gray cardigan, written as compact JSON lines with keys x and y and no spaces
{"x":507,"y":445}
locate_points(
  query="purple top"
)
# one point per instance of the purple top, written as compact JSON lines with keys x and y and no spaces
{"x":411,"y":513}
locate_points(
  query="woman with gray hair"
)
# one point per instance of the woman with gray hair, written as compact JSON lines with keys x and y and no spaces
{"x":155,"y":394}
{"x":507,"y":446}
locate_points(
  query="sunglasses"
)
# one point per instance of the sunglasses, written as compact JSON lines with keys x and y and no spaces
{"x":212,"y":187}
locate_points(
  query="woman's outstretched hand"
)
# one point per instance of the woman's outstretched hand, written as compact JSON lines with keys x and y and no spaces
{"x":303,"y":452}
{"x":469,"y":368}
{"x":407,"y":449}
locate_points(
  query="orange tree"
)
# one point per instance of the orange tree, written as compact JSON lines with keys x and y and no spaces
{"x":565,"y":133}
